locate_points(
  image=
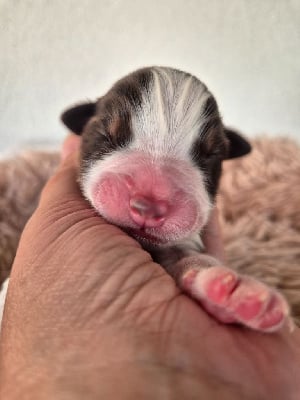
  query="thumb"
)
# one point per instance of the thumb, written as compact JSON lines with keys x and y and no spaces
{"x":70,"y":146}
{"x":64,"y":183}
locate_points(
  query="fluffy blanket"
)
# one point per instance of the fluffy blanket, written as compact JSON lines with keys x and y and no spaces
{"x":259,"y":202}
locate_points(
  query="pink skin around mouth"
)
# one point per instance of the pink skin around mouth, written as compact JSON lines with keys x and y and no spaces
{"x":152,"y":203}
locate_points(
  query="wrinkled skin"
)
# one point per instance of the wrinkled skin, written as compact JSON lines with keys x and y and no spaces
{"x":89,"y":315}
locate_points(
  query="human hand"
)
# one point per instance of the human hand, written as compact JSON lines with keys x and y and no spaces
{"x":89,"y":315}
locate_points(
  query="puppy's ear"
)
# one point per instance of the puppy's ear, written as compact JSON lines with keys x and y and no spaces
{"x":75,"y":118}
{"x":238,"y":146}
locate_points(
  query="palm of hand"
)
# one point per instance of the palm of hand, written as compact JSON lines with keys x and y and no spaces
{"x":101,"y":310}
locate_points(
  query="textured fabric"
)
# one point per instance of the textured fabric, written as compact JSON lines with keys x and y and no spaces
{"x":260,"y":211}
{"x":259,"y":202}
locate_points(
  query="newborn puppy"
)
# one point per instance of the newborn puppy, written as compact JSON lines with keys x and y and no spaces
{"x":151,"y":157}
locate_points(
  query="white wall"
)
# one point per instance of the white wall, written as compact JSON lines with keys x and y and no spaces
{"x":56,"y":52}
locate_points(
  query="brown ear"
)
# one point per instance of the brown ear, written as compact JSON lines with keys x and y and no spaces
{"x":75,"y":118}
{"x":238,"y":146}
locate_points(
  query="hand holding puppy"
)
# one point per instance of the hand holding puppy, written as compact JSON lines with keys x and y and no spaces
{"x":89,"y":315}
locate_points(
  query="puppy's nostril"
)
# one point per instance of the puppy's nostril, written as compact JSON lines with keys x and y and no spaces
{"x":146,"y":212}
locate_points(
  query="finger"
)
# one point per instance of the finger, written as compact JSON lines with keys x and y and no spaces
{"x":71,"y":145}
{"x":63,"y":185}
{"x":212,"y":237}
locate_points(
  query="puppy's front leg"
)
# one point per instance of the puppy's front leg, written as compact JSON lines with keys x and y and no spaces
{"x":228,"y":296}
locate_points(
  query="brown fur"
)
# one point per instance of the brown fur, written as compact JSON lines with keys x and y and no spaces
{"x":259,"y":202}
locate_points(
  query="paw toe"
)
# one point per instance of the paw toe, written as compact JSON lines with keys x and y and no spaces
{"x":275,"y":314}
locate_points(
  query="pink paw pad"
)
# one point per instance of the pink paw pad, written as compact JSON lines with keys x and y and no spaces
{"x":250,"y":306}
{"x":219,"y":288}
{"x":275,"y":314}
{"x":216,"y":283}
{"x":233,"y":298}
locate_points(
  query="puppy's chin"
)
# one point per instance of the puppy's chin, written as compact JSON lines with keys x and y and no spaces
{"x":146,"y":239}
{"x":160,"y":236}
{"x":149,"y":241}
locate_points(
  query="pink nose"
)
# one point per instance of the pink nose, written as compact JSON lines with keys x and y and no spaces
{"x":146,"y":212}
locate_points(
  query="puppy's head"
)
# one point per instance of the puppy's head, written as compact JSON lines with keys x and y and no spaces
{"x":151,"y":155}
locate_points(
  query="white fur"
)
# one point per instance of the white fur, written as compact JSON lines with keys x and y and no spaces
{"x":99,"y":168}
{"x":171,"y":115}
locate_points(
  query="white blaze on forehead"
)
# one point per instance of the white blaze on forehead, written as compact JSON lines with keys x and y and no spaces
{"x":171,"y":114}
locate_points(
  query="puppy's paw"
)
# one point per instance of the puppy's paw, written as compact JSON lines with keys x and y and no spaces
{"x":233,"y":298}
